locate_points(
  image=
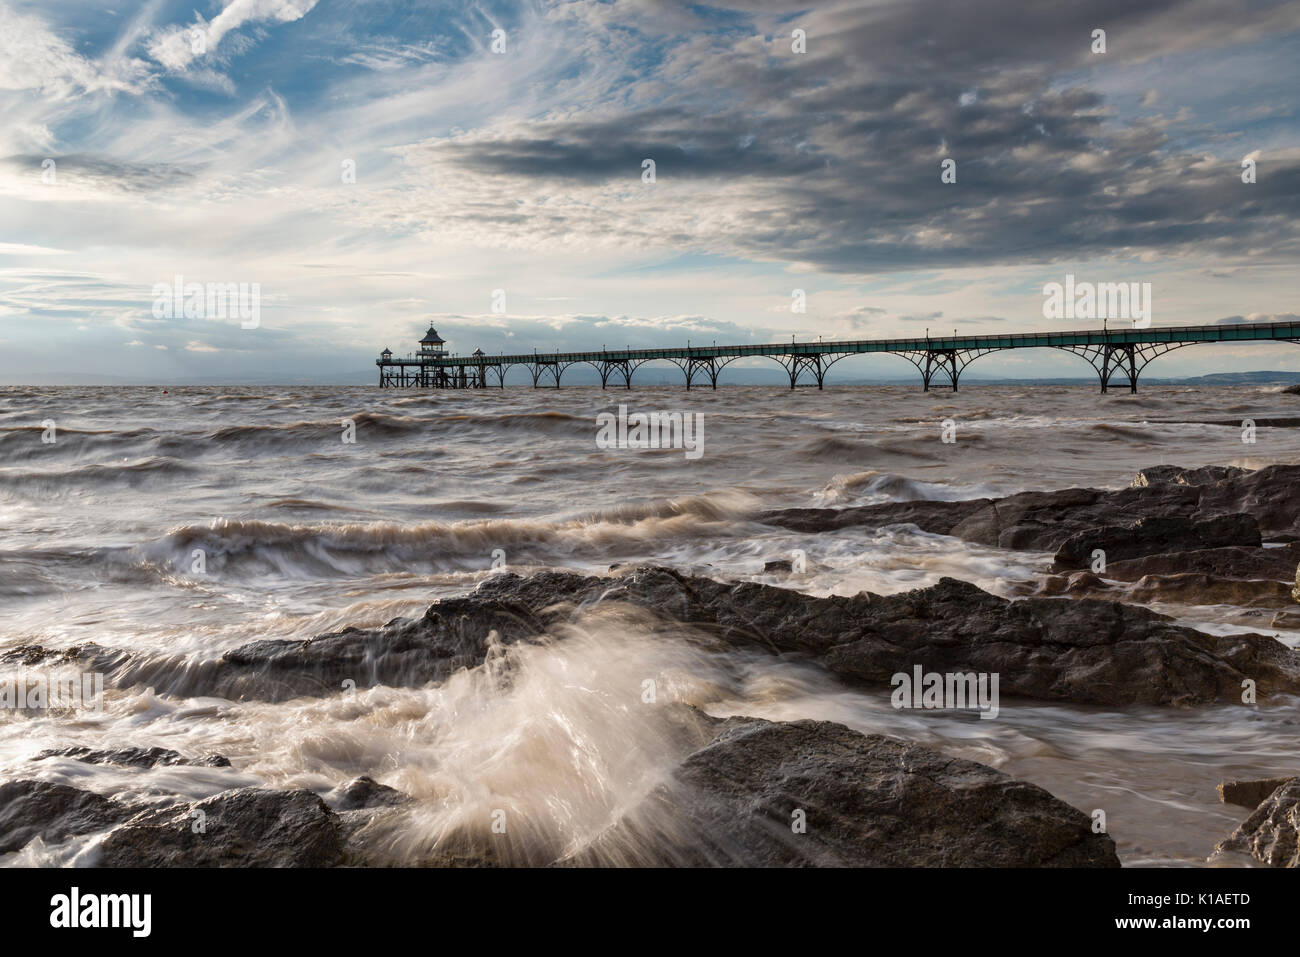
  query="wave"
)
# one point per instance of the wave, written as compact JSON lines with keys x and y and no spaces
{"x":309,"y":550}
{"x":872,"y":487}
{"x":129,"y":473}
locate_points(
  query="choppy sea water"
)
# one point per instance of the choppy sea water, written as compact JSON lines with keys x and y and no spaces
{"x":301,"y":532}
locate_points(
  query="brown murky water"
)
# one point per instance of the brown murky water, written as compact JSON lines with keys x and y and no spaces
{"x":301,"y":532}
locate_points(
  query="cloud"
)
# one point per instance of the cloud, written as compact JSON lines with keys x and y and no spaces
{"x":831,"y":162}
{"x":177,"y":47}
{"x":34,"y":57}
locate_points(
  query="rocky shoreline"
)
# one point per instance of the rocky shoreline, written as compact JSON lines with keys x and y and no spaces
{"x":789,"y":793}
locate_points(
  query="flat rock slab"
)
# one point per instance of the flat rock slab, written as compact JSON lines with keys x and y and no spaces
{"x":1157,"y":534}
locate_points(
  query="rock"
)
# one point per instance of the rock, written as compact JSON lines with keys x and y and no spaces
{"x":405,"y":652}
{"x":1157,"y":534}
{"x":1291,"y":390}
{"x":246,"y":827}
{"x":780,"y":565}
{"x":1085,"y":651}
{"x":365,"y":792}
{"x":1270,"y":834}
{"x":52,"y":812}
{"x":1233,"y":562}
{"x":1092,"y":652}
{"x":1249,"y":793}
{"x":1286,"y":620}
{"x":134,"y":757}
{"x":1295,"y":592}
{"x":1189,"y":589}
{"x":1042,"y":521}
{"x":866,"y":801}
{"x":1176,"y":474}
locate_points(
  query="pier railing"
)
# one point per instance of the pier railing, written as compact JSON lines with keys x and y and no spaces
{"x":942,"y":359}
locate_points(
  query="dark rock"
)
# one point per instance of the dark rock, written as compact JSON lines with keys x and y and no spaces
{"x":1286,"y":620}
{"x":1152,"y":536}
{"x":1190,"y":589}
{"x":1249,"y":793}
{"x":1176,"y":474}
{"x":867,"y":801}
{"x":1087,"y":652}
{"x":52,"y":812}
{"x":1291,"y":390}
{"x":1270,"y":834}
{"x":1243,"y":564}
{"x":365,"y":792}
{"x":247,"y":827}
{"x":779,"y":565}
{"x":1090,"y":652}
{"x":134,"y":757}
{"x":1042,"y":521}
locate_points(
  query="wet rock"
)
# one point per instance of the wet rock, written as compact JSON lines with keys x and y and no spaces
{"x":1177,"y":475}
{"x":1245,"y":564}
{"x":1286,"y":620}
{"x":246,"y":827}
{"x":1249,"y":793}
{"x":1291,"y":390}
{"x":1270,"y":834}
{"x":134,"y":757}
{"x":365,"y":792}
{"x":1156,"y":535}
{"x":815,"y":793}
{"x":52,"y":812}
{"x":1189,"y":589}
{"x":1093,"y":652}
{"x":779,"y":565}
{"x":406,"y":652}
{"x":1042,"y":521}
{"x":1084,"y":651}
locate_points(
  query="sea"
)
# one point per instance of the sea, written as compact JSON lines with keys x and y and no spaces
{"x":185,"y":522}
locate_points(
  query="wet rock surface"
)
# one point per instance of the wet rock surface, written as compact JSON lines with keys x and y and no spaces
{"x":1043,"y":521}
{"x":863,"y":800}
{"x":1271,"y":835}
{"x":365,"y":792}
{"x":134,"y":757}
{"x":1249,"y":793}
{"x":815,"y":793}
{"x":1081,"y":651}
{"x":1191,"y":589}
{"x":1092,"y":652}
{"x":1157,"y":535}
{"x":246,"y":827}
{"x":1243,"y":564}
{"x":52,"y":812}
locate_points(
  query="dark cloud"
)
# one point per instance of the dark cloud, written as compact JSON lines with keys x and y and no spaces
{"x":832,"y":159}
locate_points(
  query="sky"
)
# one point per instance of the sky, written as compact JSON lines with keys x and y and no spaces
{"x":375,"y":167}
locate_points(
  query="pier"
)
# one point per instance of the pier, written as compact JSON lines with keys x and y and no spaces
{"x":1115,"y":355}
